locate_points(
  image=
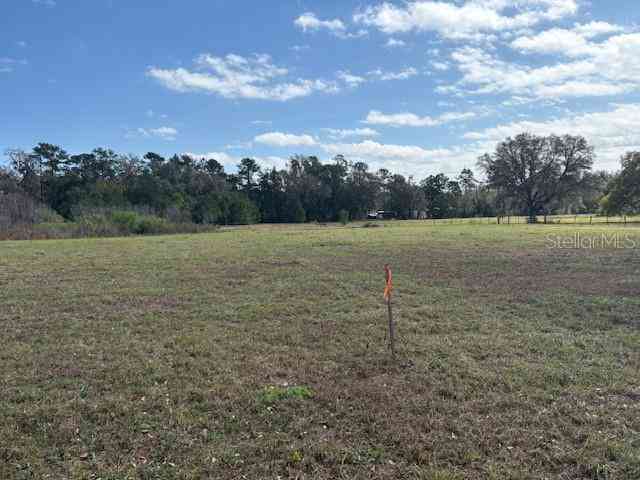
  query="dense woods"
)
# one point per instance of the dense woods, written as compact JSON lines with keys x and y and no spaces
{"x":525,"y":175}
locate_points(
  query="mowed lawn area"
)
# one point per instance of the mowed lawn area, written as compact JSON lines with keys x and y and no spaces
{"x":260,"y":353}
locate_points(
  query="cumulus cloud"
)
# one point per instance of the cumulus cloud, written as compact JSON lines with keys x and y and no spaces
{"x":404,"y":159}
{"x":594,"y":29}
{"x":610,"y":67}
{"x":394,"y":42}
{"x":234,"y":76}
{"x":403,"y":74}
{"x":345,"y":133}
{"x":573,"y":42}
{"x":612,"y":132}
{"x":279,"y":139}
{"x":408,"y":119}
{"x":350,"y":79}
{"x":230,"y":162}
{"x":164,"y":133}
{"x":441,"y":66}
{"x":309,"y":22}
{"x":472,"y":19}
{"x":371,"y":150}
{"x":583,"y":89}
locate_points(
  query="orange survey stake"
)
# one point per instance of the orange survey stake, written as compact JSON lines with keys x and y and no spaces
{"x":389,"y":286}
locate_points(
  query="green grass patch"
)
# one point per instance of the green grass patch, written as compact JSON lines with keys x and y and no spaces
{"x":273,"y":394}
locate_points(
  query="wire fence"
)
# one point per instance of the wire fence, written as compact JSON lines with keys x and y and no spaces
{"x":583,"y":219}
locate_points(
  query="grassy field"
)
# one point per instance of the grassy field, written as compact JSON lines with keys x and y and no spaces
{"x":259,"y":353}
{"x":582,"y":219}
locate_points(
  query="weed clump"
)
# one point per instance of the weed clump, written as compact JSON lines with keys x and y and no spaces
{"x":273,"y":394}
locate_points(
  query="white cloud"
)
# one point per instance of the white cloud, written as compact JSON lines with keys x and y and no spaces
{"x":594,"y":29}
{"x":572,"y":43}
{"x":357,"y":34}
{"x":556,"y":40}
{"x":165,"y":133}
{"x":350,"y":79}
{"x":234,"y":76}
{"x":400,"y":75}
{"x":272,"y":161}
{"x":310,"y":22}
{"x":356,"y":132}
{"x":612,"y":132}
{"x":403,"y":159}
{"x":261,"y":122}
{"x":394,"y":42}
{"x":369,"y":149}
{"x":611,"y":67}
{"x":407,"y":119}
{"x":230,"y":162}
{"x":583,"y":89}
{"x":470,"y":20}
{"x":441,"y":66}
{"x":279,"y":139}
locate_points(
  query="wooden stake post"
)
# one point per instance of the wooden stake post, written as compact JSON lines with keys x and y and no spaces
{"x":387,"y":296}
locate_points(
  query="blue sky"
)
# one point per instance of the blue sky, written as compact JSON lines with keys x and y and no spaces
{"x":417,"y":87}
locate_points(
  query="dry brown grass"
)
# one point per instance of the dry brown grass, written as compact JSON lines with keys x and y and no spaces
{"x":154,"y":357}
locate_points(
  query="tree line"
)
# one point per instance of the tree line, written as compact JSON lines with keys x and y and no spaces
{"x":527,"y":174}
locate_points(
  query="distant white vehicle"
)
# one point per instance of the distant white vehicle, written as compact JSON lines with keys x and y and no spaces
{"x":381,"y":215}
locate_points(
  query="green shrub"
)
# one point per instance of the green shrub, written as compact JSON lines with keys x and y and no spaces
{"x":299,"y":215}
{"x":150,"y":224}
{"x":45,"y":214}
{"x":343,"y":217}
{"x":241,"y":211}
{"x":95,"y":225}
{"x":100,"y":222}
{"x":126,"y":222}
